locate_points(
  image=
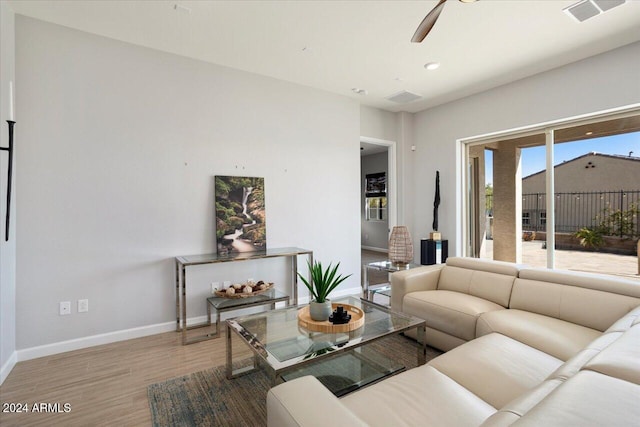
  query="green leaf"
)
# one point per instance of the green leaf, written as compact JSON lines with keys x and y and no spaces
{"x":323,"y":281}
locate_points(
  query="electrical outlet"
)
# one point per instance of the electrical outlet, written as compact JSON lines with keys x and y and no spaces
{"x":83,"y":305}
{"x":65,"y":308}
{"x":214,"y":287}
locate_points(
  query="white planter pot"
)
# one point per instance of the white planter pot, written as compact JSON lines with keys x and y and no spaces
{"x":320,"y":311}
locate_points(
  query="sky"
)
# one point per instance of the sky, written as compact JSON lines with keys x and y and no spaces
{"x":534,"y":159}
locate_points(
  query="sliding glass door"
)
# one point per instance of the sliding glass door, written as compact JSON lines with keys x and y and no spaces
{"x":554,"y":196}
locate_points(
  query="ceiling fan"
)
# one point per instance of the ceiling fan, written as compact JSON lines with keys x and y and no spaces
{"x":430,"y":20}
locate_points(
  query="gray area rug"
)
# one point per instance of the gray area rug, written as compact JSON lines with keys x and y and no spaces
{"x":207,"y":398}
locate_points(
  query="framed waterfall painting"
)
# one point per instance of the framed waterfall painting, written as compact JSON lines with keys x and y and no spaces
{"x":240,"y":214}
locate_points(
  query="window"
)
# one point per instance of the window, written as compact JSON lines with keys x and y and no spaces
{"x":526,"y":218}
{"x":543,"y":218}
{"x":376,"y":209}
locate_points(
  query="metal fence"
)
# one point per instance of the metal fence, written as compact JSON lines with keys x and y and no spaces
{"x":574,"y":211}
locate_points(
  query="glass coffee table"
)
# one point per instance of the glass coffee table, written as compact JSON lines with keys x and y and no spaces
{"x":286,"y":350}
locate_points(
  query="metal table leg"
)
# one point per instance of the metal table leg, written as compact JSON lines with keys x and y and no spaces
{"x":230,"y":372}
{"x":422,"y":345}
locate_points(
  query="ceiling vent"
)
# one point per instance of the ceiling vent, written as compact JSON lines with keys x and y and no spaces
{"x":586,"y":9}
{"x":404,"y":97}
{"x":605,"y":5}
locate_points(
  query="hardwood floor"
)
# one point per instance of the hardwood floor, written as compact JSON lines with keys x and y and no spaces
{"x":107,"y":384}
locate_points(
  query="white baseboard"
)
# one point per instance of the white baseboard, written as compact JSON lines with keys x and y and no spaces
{"x":93,"y":340}
{"x":371,"y":248}
{"x":127,"y":334}
{"x":8,"y":366}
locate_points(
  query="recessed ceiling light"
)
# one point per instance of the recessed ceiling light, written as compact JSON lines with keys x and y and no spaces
{"x":589,"y":133}
{"x":432,"y":66}
{"x":359,"y":91}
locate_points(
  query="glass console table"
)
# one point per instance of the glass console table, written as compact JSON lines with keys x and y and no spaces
{"x":390,"y":267}
{"x":220,"y":304}
{"x":182,"y":262}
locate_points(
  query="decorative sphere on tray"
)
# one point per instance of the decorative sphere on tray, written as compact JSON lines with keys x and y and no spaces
{"x":244,"y":290}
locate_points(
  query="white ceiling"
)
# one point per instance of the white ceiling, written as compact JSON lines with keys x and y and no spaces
{"x":340,"y":45}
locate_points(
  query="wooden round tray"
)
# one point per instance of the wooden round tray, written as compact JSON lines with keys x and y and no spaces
{"x":357,"y":320}
{"x":223,"y":294}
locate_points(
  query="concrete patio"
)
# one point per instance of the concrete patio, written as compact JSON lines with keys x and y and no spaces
{"x":593,"y":262}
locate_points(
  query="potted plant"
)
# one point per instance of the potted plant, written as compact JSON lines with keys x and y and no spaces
{"x":323,"y":281}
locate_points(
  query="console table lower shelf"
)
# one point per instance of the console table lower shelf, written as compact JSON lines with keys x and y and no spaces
{"x":220,"y":305}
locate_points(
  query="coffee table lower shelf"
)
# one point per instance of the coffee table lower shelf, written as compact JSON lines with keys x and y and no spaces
{"x":349,"y":371}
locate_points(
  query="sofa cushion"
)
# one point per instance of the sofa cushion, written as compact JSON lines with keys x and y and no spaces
{"x":417,"y":279}
{"x":621,"y":359}
{"x":587,"y":399}
{"x":553,"y":336}
{"x":626,"y":321}
{"x":496,"y":368}
{"x":576,"y":302}
{"x":288,"y":404}
{"x":613,"y":353}
{"x":491,"y":286}
{"x":597,"y":282}
{"x":419,"y":397}
{"x":452,"y":312}
{"x":577,"y":362}
{"x":436,"y":338}
{"x":488,"y":265}
{"x":513,"y":410}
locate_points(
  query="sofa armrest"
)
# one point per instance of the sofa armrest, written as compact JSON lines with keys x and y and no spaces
{"x":417,"y":279}
{"x":306,"y":402}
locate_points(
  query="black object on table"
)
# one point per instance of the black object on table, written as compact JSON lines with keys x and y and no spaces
{"x":340,"y":316}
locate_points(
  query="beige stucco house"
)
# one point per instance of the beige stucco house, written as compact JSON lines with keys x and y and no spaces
{"x":585,"y":187}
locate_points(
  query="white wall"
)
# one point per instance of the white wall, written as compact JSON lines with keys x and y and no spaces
{"x":7,"y":248}
{"x":379,"y":124}
{"x":118,"y":149}
{"x":602,"y":82}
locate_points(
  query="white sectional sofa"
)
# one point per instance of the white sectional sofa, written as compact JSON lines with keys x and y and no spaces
{"x":524,"y":347}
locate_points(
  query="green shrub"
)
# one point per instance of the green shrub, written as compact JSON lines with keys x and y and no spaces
{"x":590,"y":238}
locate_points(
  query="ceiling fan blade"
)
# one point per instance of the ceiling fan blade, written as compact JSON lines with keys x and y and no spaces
{"x":427,"y":23}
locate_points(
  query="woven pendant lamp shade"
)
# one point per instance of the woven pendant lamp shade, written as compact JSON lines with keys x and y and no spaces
{"x":400,"y":245}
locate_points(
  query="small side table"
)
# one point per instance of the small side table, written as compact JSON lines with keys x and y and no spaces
{"x":433,"y":251}
{"x":220,"y":305}
{"x":369,"y":290}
